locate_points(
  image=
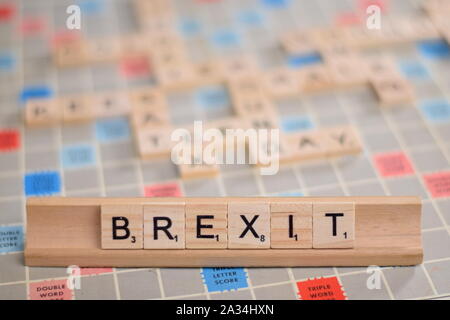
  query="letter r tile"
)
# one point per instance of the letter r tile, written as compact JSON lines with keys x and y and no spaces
{"x":121,"y":226}
{"x":333,"y":225}
{"x":206,"y":225}
{"x":164,"y":225}
{"x":248,"y":225}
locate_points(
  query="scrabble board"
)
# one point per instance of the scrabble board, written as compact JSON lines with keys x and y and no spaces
{"x":405,"y":148}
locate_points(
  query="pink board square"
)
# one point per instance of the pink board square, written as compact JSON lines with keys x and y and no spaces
{"x":171,"y":189}
{"x":50,"y":290}
{"x":438,"y":184}
{"x":393,"y":164}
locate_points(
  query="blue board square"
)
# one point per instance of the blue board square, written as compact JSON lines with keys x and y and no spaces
{"x":221,"y":279}
{"x":298,"y":61}
{"x":35,"y":92}
{"x":42,"y":183}
{"x":225,"y":39}
{"x":11,"y":239}
{"x":212,"y":97}
{"x":112,"y":129}
{"x":250,"y":18}
{"x":91,"y":7}
{"x":275,"y":4}
{"x":434,"y":49}
{"x":7,"y":61}
{"x":78,"y":156}
{"x":190,"y":28}
{"x":437,"y":111}
{"x":296,"y":123}
{"x":414,"y":70}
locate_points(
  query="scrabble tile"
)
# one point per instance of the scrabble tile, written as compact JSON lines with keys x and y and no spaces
{"x":76,"y":108}
{"x":208,"y":73}
{"x":166,"y":56}
{"x":238,"y":66}
{"x":250,"y":105}
{"x":134,"y":44}
{"x":347,"y":72}
{"x":110,"y":104}
{"x":147,"y":98}
{"x":393,"y":91}
{"x":297,"y":43}
{"x":122,"y":226}
{"x":291,"y":225}
{"x":315,"y":78}
{"x":248,"y":225}
{"x":141,"y":118}
{"x":154,"y":142}
{"x":417,"y":29}
{"x":42,"y":112}
{"x":380,"y":68}
{"x":334,"y":51}
{"x":333,"y":225}
{"x":306,"y":146}
{"x":328,"y":36}
{"x":195,"y":171}
{"x":206,"y":225}
{"x":103,"y":50}
{"x":70,"y":54}
{"x":281,"y":82}
{"x":176,"y":76}
{"x":248,"y":85}
{"x":164,"y":226}
{"x":340,"y":141}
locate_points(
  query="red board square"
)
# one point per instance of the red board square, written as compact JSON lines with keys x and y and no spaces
{"x":171,"y":189}
{"x":438,"y":184}
{"x":393,"y":164}
{"x":50,"y":290}
{"x":348,"y":19}
{"x":321,"y":289}
{"x":9,"y":140}
{"x":135,"y":67}
{"x":6,"y":12}
{"x":364,"y":4}
{"x":32,"y":25}
{"x":65,"y":37}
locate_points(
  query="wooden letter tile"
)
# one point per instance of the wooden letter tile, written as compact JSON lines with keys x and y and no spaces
{"x":314,"y":79}
{"x":333,"y":225}
{"x":248,"y":225}
{"x":110,"y":104}
{"x":122,"y":226}
{"x":40,"y":112}
{"x":154,"y":142}
{"x":306,"y":146}
{"x":393,"y":91}
{"x":291,"y":225}
{"x":164,"y":226}
{"x":147,"y":98}
{"x":206,"y":225}
{"x":70,"y":54}
{"x":340,"y":141}
{"x":281,"y":83}
{"x":76,"y":108}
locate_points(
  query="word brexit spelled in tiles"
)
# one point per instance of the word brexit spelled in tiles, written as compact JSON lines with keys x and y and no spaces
{"x":228,"y":224}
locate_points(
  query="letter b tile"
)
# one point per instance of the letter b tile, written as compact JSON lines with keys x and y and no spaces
{"x":121,"y":226}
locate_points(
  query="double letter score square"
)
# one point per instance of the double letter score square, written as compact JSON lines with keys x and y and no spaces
{"x":234,"y":224}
